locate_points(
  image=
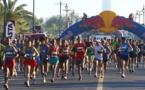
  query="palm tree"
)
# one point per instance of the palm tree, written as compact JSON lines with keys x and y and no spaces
{"x":19,"y":14}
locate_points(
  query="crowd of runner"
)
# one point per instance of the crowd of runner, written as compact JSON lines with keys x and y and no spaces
{"x":58,"y":56}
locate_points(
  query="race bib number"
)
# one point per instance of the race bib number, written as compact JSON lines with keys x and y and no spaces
{"x":54,"y":54}
{"x":9,"y":54}
{"x":65,"y":51}
{"x":79,"y":49}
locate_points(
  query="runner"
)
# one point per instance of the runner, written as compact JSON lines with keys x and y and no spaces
{"x":106,"y":55}
{"x":98,"y":59}
{"x":63,"y":58}
{"x":89,"y":53}
{"x":115,"y":43}
{"x":79,"y":55}
{"x":133,"y":55}
{"x":37,"y":46}
{"x":73,"y":42}
{"x":54,"y":59}
{"x":30,"y":62}
{"x":124,"y":55}
{"x":10,"y":54}
{"x":44,"y":48}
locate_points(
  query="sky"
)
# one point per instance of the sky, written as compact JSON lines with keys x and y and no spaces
{"x":48,"y":8}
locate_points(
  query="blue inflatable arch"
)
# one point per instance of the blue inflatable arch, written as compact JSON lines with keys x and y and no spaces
{"x":75,"y":29}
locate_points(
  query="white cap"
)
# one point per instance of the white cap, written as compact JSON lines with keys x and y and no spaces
{"x":98,"y":40}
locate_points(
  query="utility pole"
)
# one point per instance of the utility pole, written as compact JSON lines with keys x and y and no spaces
{"x":33,"y":15}
{"x":60,"y":4}
{"x":67,"y":10}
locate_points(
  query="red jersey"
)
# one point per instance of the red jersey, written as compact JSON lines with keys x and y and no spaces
{"x":65,"y":51}
{"x":80,"y":50}
{"x":54,"y":51}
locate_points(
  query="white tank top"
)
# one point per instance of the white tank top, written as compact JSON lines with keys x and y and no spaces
{"x":97,"y":55}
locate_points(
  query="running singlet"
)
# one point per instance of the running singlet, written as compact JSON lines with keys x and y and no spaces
{"x":29,"y":53}
{"x":124,"y":49}
{"x":9,"y":54}
{"x":43,"y":54}
{"x":88,"y":46}
{"x":80,"y":50}
{"x":97,"y":54}
{"x":115,"y":45}
{"x":105,"y":54}
{"x":65,"y":51}
{"x":54,"y":52}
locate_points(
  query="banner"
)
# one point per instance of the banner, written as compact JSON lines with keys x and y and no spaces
{"x":37,"y":29}
{"x":10,"y":29}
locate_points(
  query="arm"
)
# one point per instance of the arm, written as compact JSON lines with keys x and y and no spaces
{"x":130,"y":47}
{"x":109,"y":50}
{"x":16,"y":52}
{"x":35,"y":51}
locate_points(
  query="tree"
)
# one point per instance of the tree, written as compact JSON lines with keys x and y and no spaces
{"x":53,"y":23}
{"x":19,"y":14}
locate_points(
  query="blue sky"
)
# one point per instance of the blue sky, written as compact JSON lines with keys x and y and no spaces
{"x":47,"y":8}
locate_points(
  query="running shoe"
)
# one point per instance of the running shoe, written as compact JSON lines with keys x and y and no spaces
{"x":65,"y":77}
{"x":123,"y":75}
{"x":96,"y":75}
{"x":62,"y":77}
{"x":80,"y":78}
{"x":52,"y":80}
{"x":73,"y":73}
{"x":133,"y":70}
{"x":27,"y":84}
{"x":6,"y":87}
{"x":44,"y":80}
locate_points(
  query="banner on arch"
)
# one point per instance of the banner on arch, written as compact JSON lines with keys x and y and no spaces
{"x":10,"y":29}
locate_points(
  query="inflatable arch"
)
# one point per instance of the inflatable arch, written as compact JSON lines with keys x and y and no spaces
{"x":107,"y":22}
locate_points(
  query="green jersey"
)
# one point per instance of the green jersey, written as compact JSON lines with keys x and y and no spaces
{"x":115,"y":45}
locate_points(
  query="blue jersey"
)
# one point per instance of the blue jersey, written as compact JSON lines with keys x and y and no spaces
{"x":124,"y":49}
{"x":105,"y":54}
{"x":29,"y":53}
{"x":9,"y":54}
{"x":44,"y":52}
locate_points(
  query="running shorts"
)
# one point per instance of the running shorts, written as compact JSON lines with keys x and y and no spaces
{"x":54,"y":60}
{"x":31,"y":62}
{"x":10,"y":63}
{"x":78,"y":62}
{"x":63,"y":59}
{"x":89,"y":54}
{"x":124,"y":57}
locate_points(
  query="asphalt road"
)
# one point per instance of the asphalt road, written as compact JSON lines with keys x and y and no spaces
{"x":111,"y":81}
